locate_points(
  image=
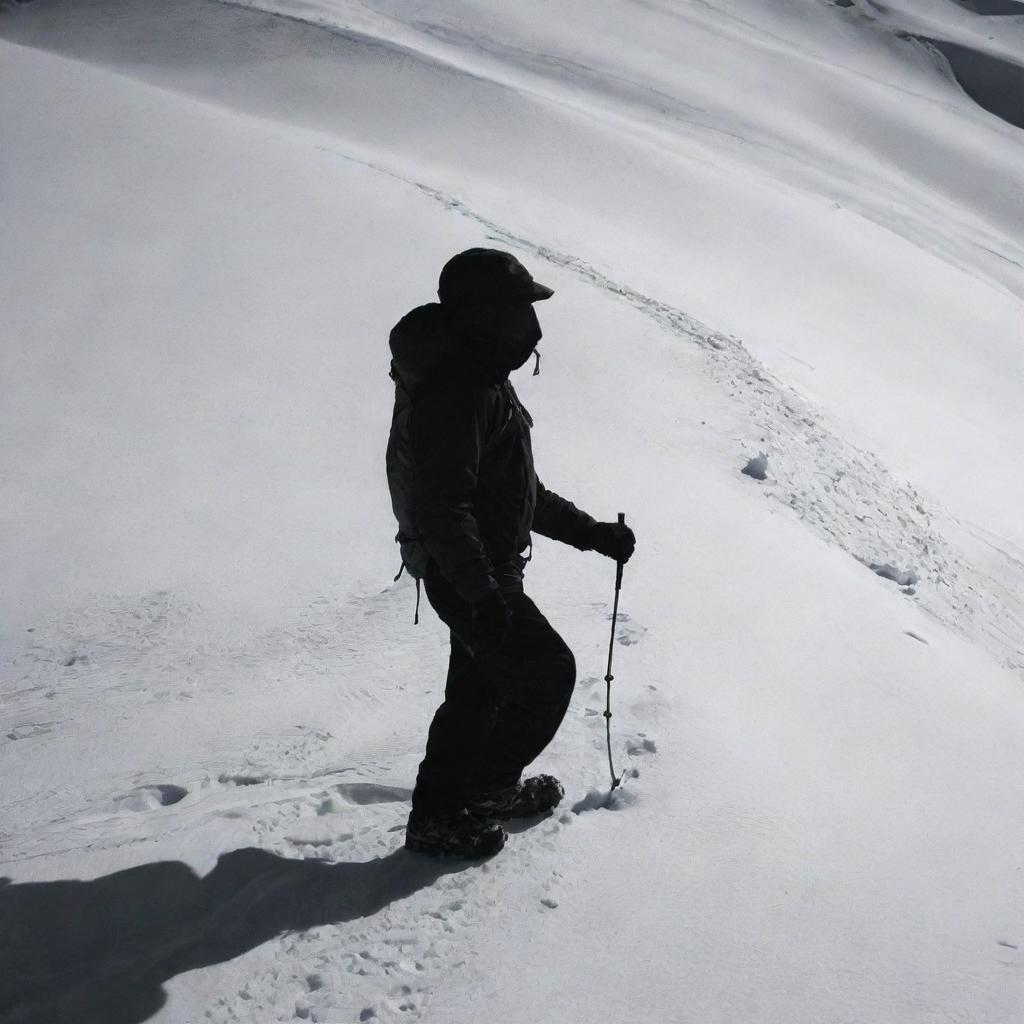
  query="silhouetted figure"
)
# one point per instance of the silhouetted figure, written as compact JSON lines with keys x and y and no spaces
{"x":466,"y":497}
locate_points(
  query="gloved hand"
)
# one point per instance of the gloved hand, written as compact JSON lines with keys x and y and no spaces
{"x":492,"y":621}
{"x":616,"y":540}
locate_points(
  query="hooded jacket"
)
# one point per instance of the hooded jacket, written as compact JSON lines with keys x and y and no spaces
{"x":459,"y":457}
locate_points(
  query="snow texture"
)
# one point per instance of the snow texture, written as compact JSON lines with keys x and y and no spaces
{"x":791,"y":229}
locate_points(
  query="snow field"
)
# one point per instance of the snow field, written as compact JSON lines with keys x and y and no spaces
{"x":819,"y":200}
{"x":213,"y":697}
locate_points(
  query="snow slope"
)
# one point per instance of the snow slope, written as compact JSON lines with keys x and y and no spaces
{"x":796,"y":173}
{"x":205,"y":242}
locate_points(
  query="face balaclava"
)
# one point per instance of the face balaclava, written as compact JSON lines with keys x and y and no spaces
{"x":500,"y":336}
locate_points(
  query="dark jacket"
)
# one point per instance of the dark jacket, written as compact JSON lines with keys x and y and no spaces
{"x":459,"y":458}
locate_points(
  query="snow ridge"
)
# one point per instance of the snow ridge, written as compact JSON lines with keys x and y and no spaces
{"x":845,"y":494}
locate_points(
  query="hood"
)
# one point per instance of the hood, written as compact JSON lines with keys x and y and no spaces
{"x":423,"y":344}
{"x":488,"y":342}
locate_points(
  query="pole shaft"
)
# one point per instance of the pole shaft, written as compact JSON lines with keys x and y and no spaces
{"x":608,"y":675}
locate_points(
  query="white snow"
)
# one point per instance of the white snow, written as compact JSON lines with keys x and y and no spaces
{"x":779,"y":230}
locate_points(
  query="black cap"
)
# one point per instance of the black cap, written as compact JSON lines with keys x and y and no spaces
{"x":487,"y":275}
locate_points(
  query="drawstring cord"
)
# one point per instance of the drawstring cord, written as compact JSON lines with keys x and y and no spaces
{"x":536,"y":368}
{"x":416,"y":616}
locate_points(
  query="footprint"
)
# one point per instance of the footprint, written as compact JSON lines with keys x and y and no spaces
{"x":627,"y":631}
{"x":629,"y":635}
{"x":168,"y":793}
{"x":22,"y":732}
{"x":300,"y":842}
{"x":148,"y":798}
{"x":603,"y":800}
{"x":904,"y":577}
{"x":641,"y":745}
{"x":226,"y":779}
{"x":257,"y":779}
{"x":362,"y":793}
{"x":320,"y":734}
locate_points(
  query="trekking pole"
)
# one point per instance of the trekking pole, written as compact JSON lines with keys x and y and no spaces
{"x":616,"y":780}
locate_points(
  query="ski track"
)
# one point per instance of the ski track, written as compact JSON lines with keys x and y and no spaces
{"x":845,"y":494}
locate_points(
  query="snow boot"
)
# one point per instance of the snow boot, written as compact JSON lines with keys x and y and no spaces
{"x":539,"y":794}
{"x":453,"y":835}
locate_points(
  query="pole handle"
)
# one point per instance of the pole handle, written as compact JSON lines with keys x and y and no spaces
{"x":618,"y":565}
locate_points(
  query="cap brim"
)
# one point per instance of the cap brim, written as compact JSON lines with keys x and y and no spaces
{"x":541,"y":291}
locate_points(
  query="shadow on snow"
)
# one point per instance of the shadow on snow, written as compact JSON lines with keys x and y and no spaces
{"x":98,"y":952}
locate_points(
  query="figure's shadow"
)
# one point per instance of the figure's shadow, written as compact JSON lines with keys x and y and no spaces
{"x":98,"y":952}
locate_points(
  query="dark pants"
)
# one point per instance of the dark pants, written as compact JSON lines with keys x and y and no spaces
{"x":501,"y":706}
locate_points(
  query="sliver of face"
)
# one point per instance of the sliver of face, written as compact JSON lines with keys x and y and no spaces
{"x":506,"y":334}
{"x":519,"y":334}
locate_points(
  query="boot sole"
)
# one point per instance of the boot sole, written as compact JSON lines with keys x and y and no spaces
{"x":513,"y":816}
{"x":482,"y":850}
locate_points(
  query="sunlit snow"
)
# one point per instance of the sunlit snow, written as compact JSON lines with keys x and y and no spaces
{"x":784,"y":237}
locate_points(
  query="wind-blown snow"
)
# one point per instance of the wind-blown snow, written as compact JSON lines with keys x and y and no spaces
{"x":780,"y":229}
